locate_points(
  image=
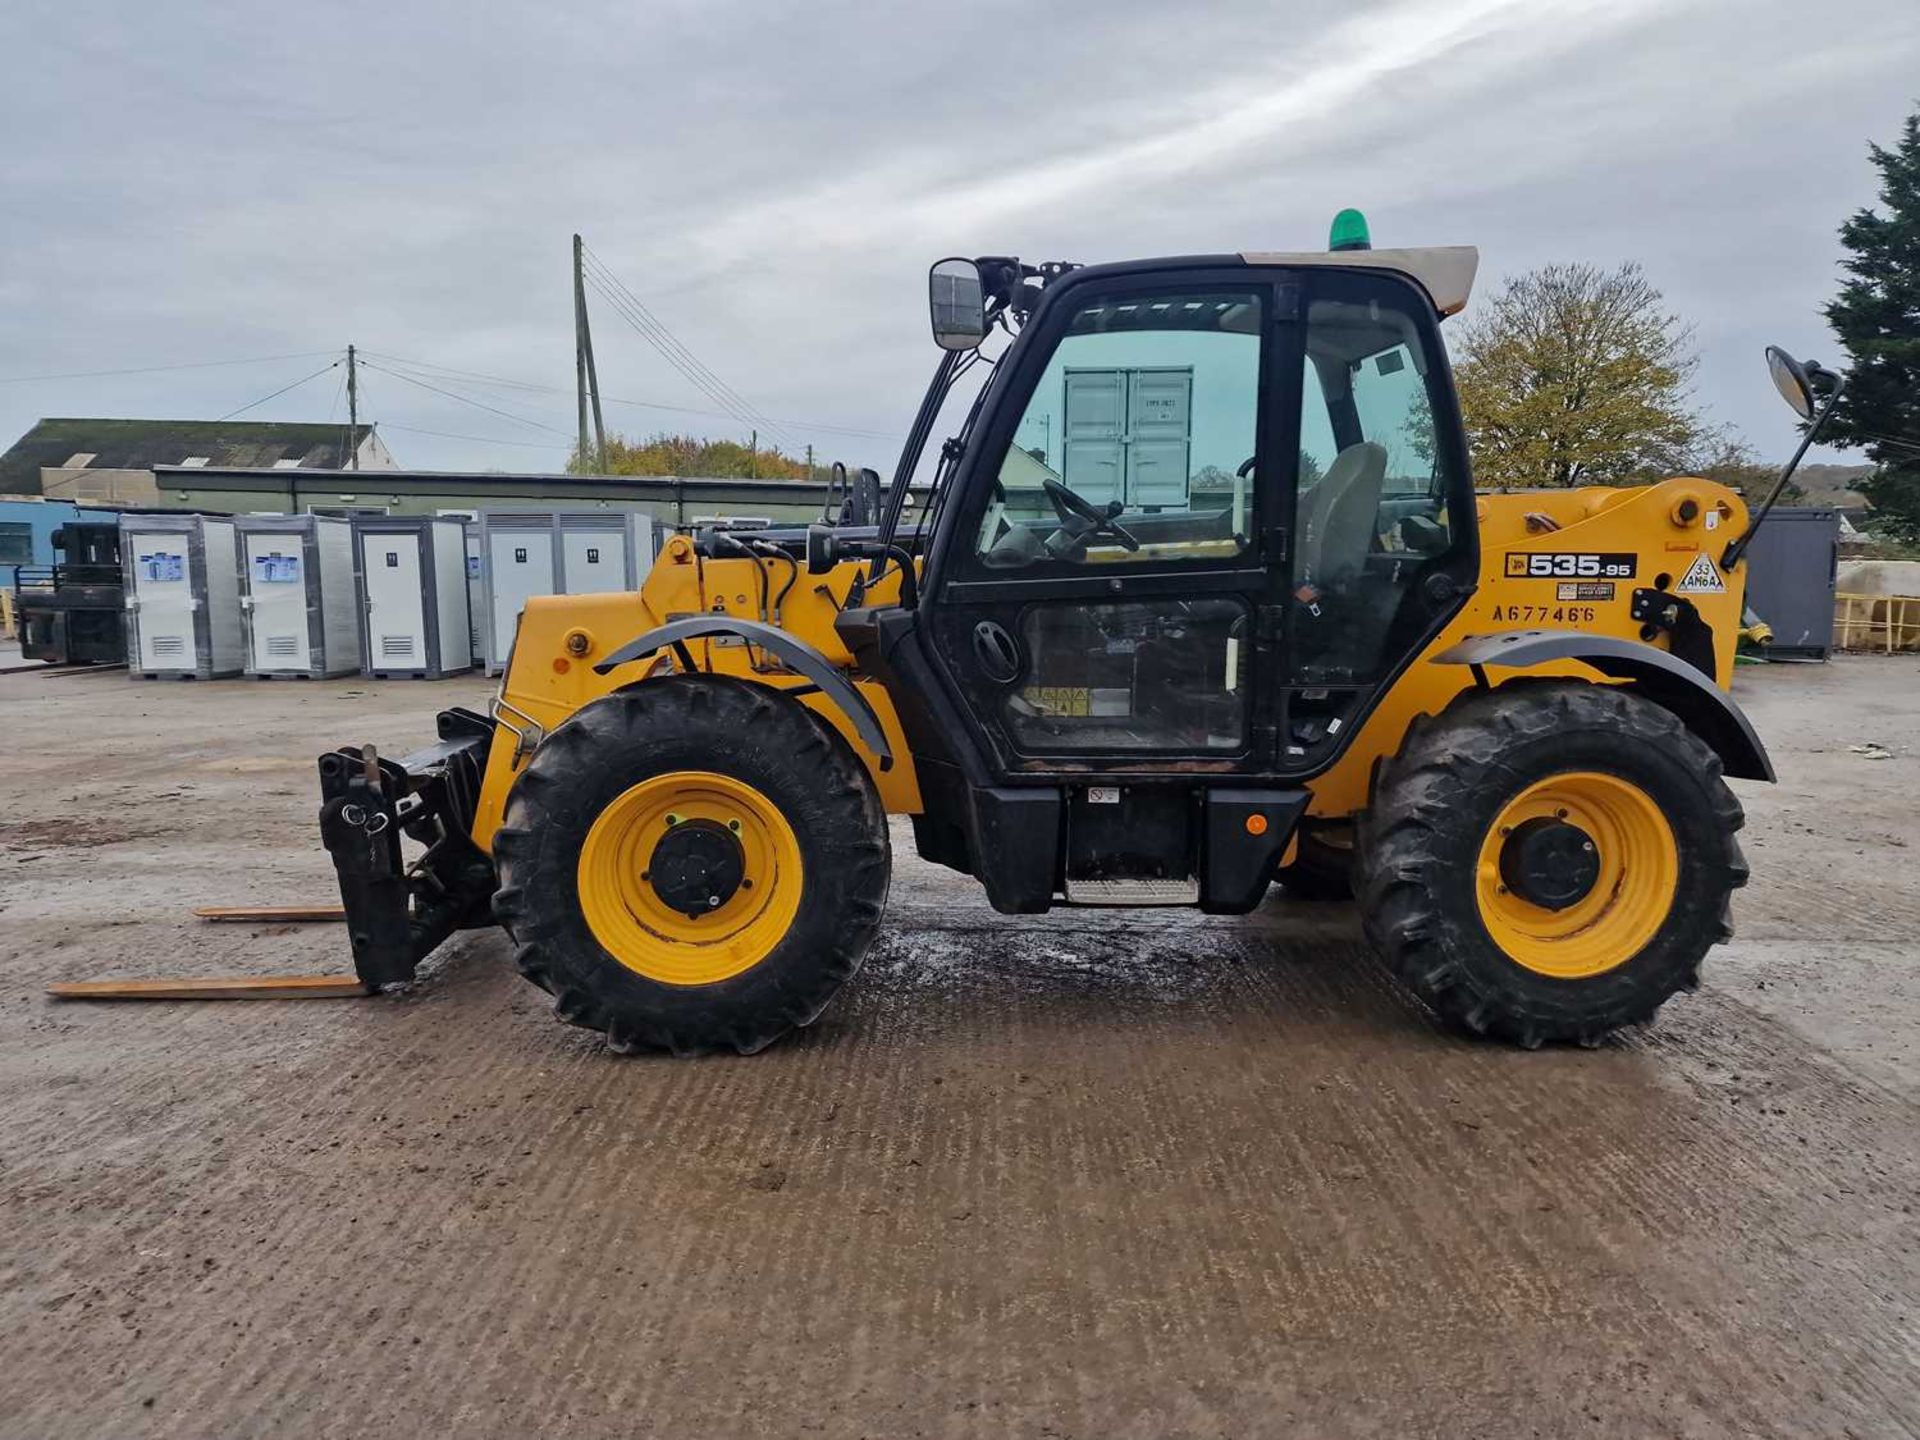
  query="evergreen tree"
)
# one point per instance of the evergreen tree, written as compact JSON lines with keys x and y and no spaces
{"x":1877,"y":317}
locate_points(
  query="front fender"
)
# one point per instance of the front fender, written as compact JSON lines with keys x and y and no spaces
{"x":1703,"y":706}
{"x":797,"y":653}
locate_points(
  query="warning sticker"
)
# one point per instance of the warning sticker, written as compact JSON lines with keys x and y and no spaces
{"x":1701,"y":579}
{"x":1070,"y":700}
{"x":1586,"y":590}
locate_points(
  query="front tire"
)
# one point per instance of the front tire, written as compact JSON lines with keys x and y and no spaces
{"x":1549,"y":861}
{"x":695,"y":864}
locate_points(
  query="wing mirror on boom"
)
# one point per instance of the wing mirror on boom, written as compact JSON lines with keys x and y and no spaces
{"x":957,"y":301}
{"x":1803,"y":387}
{"x":1790,"y":379}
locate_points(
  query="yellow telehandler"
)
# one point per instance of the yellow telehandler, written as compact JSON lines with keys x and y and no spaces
{"x":1201,"y":596}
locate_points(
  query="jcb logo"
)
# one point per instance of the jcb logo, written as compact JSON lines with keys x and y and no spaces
{"x":1570,"y":565}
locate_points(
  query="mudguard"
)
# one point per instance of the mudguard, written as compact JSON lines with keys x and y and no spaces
{"x":1705,"y":708}
{"x":797,"y":654}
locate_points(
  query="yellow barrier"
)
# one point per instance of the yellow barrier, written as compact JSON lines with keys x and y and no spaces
{"x":1885,"y":623}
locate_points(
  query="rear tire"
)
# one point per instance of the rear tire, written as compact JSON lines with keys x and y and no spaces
{"x":1433,"y":884}
{"x":620,"y":961}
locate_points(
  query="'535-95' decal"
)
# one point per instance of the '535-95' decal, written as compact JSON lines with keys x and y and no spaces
{"x":1571,"y":565}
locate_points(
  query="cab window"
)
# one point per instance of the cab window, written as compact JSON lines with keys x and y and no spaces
{"x":1136,"y":444}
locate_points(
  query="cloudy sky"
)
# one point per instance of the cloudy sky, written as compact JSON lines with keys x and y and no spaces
{"x":189,"y":183}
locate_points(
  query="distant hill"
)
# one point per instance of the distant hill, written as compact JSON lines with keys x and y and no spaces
{"x":1831,"y":484}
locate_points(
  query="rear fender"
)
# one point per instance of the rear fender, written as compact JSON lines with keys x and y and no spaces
{"x":1702,"y":706}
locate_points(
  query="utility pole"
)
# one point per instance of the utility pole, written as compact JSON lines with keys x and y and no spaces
{"x":809,"y":462}
{"x":586,"y":377}
{"x":353,"y":412}
{"x":753,"y":454}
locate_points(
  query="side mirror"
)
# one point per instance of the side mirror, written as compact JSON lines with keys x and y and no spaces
{"x":956,"y":300}
{"x":1790,"y":379}
{"x":1798,"y":385}
{"x":823,"y":549}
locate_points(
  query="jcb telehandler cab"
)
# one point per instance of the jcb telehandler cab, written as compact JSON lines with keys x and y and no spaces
{"x":1201,"y":597}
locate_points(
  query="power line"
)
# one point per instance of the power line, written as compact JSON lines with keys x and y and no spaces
{"x":255,"y":404}
{"x":677,"y":353}
{"x":480,"y":439}
{"x":533,"y":387}
{"x":1892,"y":440}
{"x":339,"y":394}
{"x":497,"y":380}
{"x":663,"y":337}
{"x":476,"y":404}
{"x":687,"y":364}
{"x":736,"y":410}
{"x":157,"y":369}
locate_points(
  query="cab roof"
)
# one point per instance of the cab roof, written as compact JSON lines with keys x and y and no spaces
{"x":1445,"y":272}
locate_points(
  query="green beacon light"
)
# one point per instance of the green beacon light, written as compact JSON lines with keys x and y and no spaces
{"x":1349,"y":232}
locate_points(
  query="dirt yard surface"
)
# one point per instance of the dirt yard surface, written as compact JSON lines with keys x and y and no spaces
{"x":1088,"y":1175}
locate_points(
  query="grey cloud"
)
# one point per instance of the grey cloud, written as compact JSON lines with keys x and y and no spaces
{"x":194,"y":182}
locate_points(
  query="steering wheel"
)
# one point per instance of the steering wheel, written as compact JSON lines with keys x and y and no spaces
{"x":1083,"y":520}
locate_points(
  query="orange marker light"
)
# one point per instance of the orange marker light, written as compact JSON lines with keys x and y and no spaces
{"x":1256,"y":824}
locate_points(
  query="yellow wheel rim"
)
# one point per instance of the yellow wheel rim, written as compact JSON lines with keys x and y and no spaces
{"x":639,"y":929}
{"x":1638,"y":874}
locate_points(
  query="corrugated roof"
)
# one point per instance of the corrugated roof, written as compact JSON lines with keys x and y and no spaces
{"x":143,"y":444}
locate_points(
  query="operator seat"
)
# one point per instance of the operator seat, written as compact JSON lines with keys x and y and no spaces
{"x":1341,"y":513}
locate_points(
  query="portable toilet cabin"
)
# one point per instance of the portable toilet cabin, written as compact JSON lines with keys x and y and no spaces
{"x":182,"y":596}
{"x":298,"y":596}
{"x":518,"y":559}
{"x":412,"y":574}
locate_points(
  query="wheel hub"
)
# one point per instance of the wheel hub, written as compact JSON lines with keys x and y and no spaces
{"x":697,"y":867}
{"x":1549,"y":863}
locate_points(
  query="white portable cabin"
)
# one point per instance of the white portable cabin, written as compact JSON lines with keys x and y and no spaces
{"x":183,"y":597}
{"x":412,"y":573}
{"x":298,"y":596}
{"x":524,"y":553}
{"x":519,"y":558}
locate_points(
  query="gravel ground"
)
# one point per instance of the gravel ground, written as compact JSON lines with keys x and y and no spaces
{"x":1086,"y":1175}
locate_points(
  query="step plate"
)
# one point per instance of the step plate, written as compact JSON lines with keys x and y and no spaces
{"x":1133,"y":892}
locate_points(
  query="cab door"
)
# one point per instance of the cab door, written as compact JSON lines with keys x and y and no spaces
{"x":1108,"y":589}
{"x":1385,"y":540}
